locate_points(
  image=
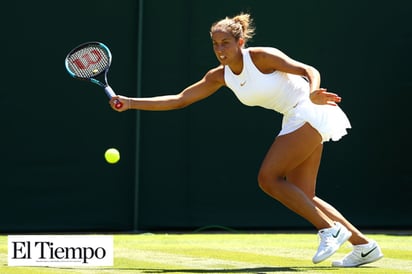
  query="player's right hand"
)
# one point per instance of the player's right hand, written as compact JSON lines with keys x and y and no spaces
{"x":123,"y":99}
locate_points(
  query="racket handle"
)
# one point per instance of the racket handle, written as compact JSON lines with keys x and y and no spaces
{"x":110,"y":93}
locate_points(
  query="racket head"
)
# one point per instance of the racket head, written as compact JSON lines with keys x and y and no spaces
{"x":89,"y":60}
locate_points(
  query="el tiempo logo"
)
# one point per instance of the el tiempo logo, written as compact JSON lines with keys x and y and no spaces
{"x":60,"y":250}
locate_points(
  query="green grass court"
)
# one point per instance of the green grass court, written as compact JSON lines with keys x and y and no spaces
{"x":229,"y":253}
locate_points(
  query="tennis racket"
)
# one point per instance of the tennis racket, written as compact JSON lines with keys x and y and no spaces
{"x":90,"y":62}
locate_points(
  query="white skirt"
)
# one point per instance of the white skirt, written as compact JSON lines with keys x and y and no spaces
{"x":330,"y":121}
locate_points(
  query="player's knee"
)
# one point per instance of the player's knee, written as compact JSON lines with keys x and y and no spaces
{"x":267,"y":181}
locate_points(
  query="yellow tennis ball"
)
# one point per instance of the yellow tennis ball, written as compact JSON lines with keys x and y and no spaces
{"x":112,"y":155}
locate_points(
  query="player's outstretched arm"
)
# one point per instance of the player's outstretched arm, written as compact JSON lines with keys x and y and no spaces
{"x":208,"y":85}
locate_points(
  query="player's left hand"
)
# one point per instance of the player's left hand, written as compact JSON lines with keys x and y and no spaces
{"x":323,"y":97}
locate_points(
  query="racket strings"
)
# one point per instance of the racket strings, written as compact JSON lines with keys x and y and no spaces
{"x":89,"y":61}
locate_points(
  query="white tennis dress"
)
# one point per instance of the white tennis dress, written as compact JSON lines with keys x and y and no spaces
{"x":287,"y":94}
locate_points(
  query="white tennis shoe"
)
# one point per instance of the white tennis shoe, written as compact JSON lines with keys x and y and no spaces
{"x":360,"y":255}
{"x":330,"y":241}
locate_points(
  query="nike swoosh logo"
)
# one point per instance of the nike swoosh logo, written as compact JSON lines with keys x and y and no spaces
{"x":363,"y":255}
{"x":337,"y":233}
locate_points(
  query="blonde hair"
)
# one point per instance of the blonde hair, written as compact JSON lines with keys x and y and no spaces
{"x":240,"y":26}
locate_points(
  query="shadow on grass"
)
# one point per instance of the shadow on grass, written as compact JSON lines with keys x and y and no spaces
{"x":256,"y":270}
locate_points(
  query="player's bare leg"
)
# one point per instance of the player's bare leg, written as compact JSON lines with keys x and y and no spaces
{"x":286,"y":153}
{"x":304,"y":177}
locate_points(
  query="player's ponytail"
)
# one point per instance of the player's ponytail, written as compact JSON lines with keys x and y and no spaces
{"x":240,"y":26}
{"x":246,"y":22}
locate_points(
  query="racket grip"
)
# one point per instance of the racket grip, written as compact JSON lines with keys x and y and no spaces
{"x":110,"y":93}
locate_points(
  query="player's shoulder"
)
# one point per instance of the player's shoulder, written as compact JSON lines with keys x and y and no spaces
{"x":266,"y":59}
{"x":216,"y":74}
{"x":258,"y":53}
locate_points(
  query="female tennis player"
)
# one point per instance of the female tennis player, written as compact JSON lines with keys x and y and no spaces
{"x":266,"y":77}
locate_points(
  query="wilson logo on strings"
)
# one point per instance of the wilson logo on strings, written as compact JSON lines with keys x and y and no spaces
{"x":88,"y":59}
